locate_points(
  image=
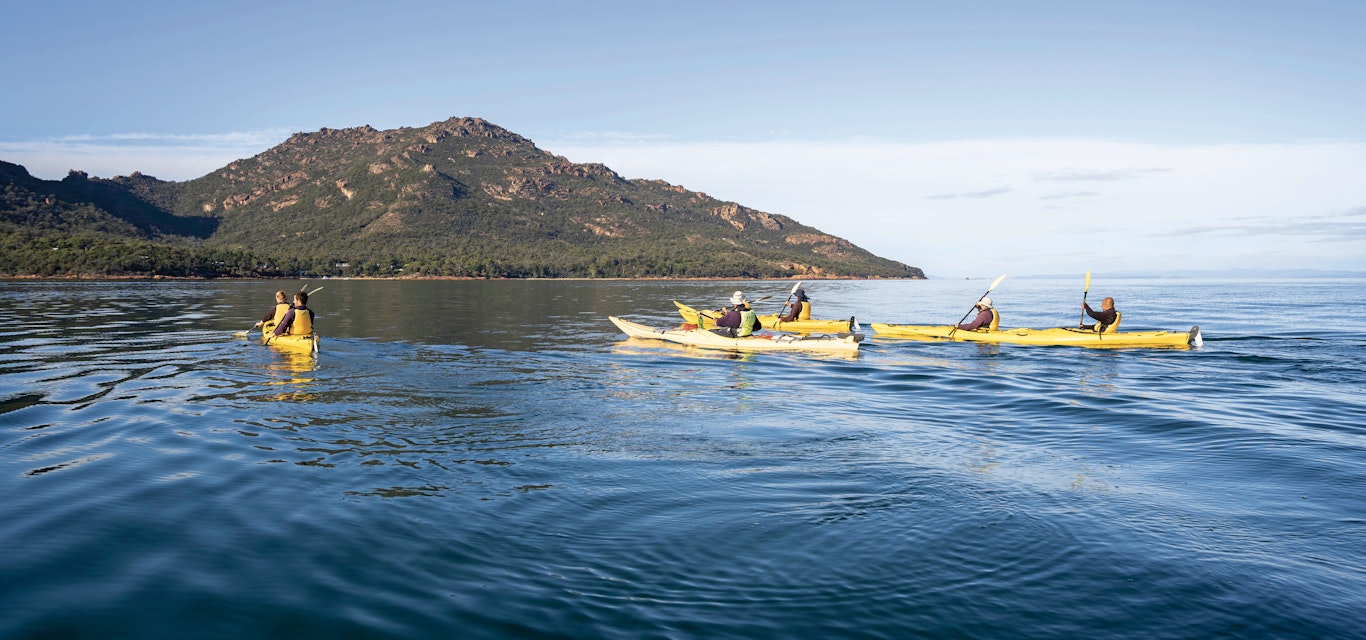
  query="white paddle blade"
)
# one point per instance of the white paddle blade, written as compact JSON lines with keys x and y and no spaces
{"x":996,"y":282}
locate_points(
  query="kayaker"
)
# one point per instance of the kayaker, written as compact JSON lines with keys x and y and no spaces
{"x":298,"y":320}
{"x":801,"y":307}
{"x":986,"y":316}
{"x":277,"y":312}
{"x":739,"y":320}
{"x":1105,"y":317}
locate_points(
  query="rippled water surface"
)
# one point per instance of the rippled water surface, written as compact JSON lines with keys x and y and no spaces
{"x":495,"y":460}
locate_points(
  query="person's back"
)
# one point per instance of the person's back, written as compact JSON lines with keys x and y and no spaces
{"x":739,"y":320}
{"x":801,"y":308}
{"x":730,"y":319}
{"x":1104,"y":318}
{"x":298,"y":320}
{"x":277,"y":313}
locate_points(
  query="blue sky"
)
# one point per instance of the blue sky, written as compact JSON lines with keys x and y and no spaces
{"x":963,"y":138}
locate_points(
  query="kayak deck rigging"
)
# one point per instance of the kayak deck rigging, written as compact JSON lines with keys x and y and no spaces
{"x":1061,"y":336}
{"x":845,"y":342}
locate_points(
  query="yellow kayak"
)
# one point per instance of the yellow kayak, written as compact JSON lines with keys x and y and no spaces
{"x":1054,"y":337}
{"x":846,"y":342}
{"x":771,"y":321}
{"x":307,"y":344}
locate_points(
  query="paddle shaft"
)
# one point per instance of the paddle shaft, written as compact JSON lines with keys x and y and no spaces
{"x":1084,"y":291}
{"x":704,"y":315}
{"x":248,"y":331}
{"x":1100,"y":333}
{"x":795,"y":287}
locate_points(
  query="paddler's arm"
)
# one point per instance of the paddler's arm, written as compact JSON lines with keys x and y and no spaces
{"x":283,"y":327}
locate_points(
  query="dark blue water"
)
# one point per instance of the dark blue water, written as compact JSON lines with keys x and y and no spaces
{"x":494,"y":460}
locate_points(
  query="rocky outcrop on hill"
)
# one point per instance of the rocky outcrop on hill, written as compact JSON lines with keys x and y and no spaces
{"x":461,"y":197}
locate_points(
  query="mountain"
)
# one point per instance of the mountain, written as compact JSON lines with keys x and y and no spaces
{"x":461,"y":197}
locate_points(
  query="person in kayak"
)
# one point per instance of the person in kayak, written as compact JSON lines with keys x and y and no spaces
{"x":276,"y":312}
{"x":739,"y":320}
{"x":986,"y":317}
{"x":1104,"y":318}
{"x":298,"y":321}
{"x":801,"y":308}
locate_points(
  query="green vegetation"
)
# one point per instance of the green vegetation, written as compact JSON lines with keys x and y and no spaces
{"x":457,"y":198}
{"x":23,"y":252}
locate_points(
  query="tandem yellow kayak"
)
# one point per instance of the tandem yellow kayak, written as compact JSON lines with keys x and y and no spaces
{"x":1056,"y":337}
{"x":845,"y":342}
{"x":771,"y":321}
{"x":306,"y":344}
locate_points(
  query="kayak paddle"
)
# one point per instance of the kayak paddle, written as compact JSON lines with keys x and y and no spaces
{"x":243,"y":334}
{"x":759,"y":299}
{"x":795,"y":287}
{"x":994,"y":283}
{"x":1085,"y":290}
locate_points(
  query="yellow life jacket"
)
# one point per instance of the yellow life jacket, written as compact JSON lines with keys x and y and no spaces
{"x":303,"y":323}
{"x":280,"y":310}
{"x":805,"y":313}
{"x":995,"y":320}
{"x":1107,"y":328}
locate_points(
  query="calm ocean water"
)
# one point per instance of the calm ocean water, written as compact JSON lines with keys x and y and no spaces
{"x":495,"y":460}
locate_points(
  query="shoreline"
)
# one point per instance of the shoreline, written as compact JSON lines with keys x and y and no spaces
{"x":412,"y":278}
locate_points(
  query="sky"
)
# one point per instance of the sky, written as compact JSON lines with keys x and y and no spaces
{"x":967,"y":139}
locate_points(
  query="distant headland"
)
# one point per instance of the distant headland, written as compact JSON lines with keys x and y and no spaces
{"x":461,"y":198}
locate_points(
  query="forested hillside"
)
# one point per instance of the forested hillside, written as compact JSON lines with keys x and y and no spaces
{"x":456,"y":198}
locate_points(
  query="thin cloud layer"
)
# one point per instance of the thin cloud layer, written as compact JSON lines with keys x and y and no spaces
{"x":1070,"y":195}
{"x":986,"y":193}
{"x":166,"y":156}
{"x":1349,"y":226}
{"x":1083,"y":175}
{"x":1144,"y":205}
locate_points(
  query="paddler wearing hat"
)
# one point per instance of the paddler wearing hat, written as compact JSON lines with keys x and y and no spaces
{"x":739,"y":320}
{"x":987,"y":316}
{"x":800,"y":309}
